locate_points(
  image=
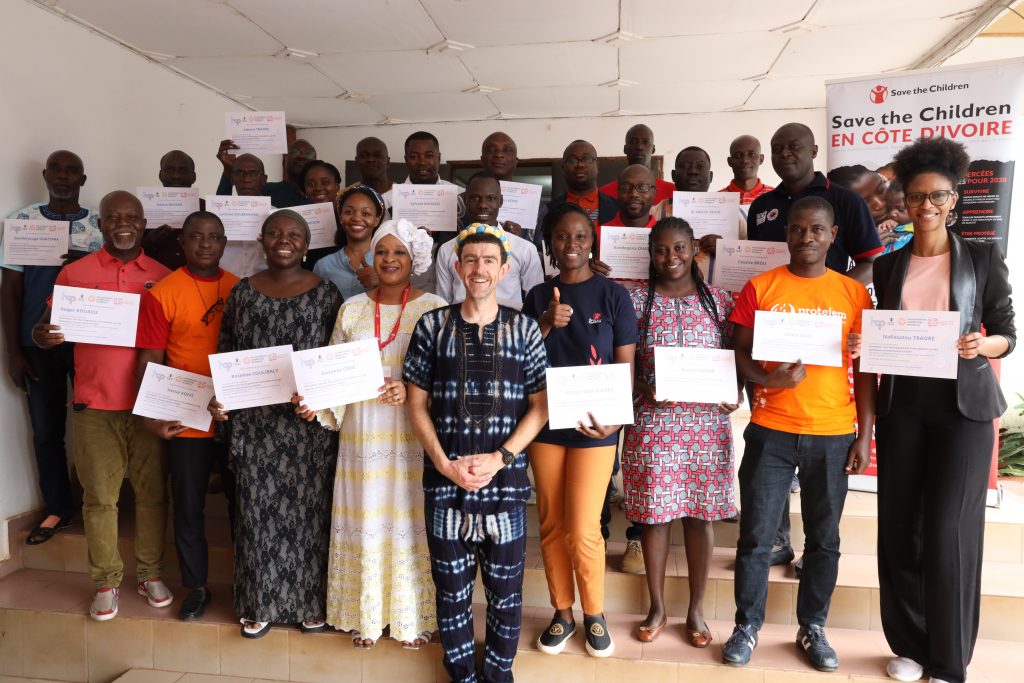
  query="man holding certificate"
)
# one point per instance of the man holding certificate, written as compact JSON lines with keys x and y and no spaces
{"x":803,"y":417}
{"x":43,"y":375}
{"x":110,"y":442}
{"x":476,"y":395}
{"x":178,"y":326}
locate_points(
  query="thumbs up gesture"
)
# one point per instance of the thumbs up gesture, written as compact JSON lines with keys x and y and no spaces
{"x":366,"y":275}
{"x":558,"y":313}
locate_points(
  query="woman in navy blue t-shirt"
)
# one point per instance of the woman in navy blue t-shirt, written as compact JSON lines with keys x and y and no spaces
{"x":586,"y":319}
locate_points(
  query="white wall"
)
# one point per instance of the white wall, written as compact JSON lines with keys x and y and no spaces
{"x":64,"y":87}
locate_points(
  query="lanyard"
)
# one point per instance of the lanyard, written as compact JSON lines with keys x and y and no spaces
{"x":398,"y":321}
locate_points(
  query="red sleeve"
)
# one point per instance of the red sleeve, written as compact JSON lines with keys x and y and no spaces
{"x":62,"y":279}
{"x":746,"y":304}
{"x":153,"y":324}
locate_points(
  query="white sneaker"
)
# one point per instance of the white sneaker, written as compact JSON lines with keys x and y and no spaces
{"x":156,"y":592}
{"x":904,"y":669}
{"x":633,"y":559}
{"x":937,"y":680}
{"x":104,"y":604}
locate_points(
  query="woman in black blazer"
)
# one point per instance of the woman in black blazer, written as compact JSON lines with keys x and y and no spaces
{"x":935,"y":436}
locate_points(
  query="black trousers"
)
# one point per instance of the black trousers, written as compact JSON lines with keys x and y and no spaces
{"x":933,"y":468}
{"x":190,"y":462}
{"x":47,"y":409}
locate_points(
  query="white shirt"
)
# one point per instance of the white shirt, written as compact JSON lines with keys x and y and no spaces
{"x":244,"y":258}
{"x":524,"y":273}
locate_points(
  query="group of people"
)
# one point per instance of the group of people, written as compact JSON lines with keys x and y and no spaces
{"x":375,"y":517}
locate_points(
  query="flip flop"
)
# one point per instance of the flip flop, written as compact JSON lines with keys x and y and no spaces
{"x":358,"y":642}
{"x":423,"y":639}
{"x":254,"y":629}
{"x":313,"y":626}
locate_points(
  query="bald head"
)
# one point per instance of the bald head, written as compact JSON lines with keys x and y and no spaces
{"x":64,"y":175}
{"x":636,"y":194}
{"x":122,"y":223}
{"x":745,"y":159}
{"x":498,"y":155}
{"x":177,"y":169}
{"x":793,"y":154}
{"x":247,"y":175}
{"x":373,"y":160}
{"x":639,"y":145}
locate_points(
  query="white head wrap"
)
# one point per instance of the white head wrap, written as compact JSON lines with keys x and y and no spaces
{"x":416,"y":240}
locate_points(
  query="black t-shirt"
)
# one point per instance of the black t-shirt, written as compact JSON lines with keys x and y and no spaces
{"x":857,"y":238}
{"x":602,"y":319}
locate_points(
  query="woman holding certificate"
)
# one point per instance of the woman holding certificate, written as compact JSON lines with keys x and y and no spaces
{"x":935,"y":436}
{"x":350,"y":268}
{"x":585,"y":318}
{"x":379,"y":566}
{"x":283,"y":466}
{"x":677,"y":461}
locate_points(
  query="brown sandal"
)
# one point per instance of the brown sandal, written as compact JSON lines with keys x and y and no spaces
{"x":700,"y":639}
{"x":649,"y":634}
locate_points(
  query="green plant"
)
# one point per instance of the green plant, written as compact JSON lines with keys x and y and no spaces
{"x":1011,"y":447}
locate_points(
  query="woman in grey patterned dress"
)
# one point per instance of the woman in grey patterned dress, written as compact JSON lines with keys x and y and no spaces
{"x":284,"y":466}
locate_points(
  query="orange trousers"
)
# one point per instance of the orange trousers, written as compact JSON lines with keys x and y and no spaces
{"x":571,"y":485}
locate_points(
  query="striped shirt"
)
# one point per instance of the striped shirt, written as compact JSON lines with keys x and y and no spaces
{"x":479,"y":388}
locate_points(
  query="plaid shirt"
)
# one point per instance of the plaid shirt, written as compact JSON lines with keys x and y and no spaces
{"x":479,"y":390}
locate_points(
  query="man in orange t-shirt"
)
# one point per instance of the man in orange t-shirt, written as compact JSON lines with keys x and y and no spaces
{"x":803,"y":417}
{"x":179,"y":322}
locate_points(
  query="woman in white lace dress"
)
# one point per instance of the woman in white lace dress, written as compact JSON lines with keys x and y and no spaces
{"x":379,"y":568}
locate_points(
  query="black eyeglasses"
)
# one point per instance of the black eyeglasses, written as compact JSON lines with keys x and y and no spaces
{"x":579,"y":161}
{"x":937,"y":198}
{"x":212,"y":311}
{"x":642,"y":188}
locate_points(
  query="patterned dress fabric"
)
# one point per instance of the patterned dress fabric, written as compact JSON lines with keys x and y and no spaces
{"x":677,"y":461}
{"x":379,"y":565}
{"x":283,"y":465}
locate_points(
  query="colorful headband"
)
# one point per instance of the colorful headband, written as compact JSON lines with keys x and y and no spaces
{"x":483,"y":229}
{"x":359,"y":188}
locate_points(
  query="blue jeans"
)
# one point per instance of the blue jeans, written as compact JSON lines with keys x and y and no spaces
{"x":765,"y":474}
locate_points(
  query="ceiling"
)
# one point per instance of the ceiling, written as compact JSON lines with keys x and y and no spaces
{"x":361,"y":62}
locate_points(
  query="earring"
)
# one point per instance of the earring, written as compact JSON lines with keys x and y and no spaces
{"x":303,"y":258}
{"x":590,"y":256}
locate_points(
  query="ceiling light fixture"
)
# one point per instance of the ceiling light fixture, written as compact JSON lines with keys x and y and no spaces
{"x":618,"y":83}
{"x":387,"y":121}
{"x":159,"y":56}
{"x":618,"y":38}
{"x":448,"y":46}
{"x":296,"y":55}
{"x":796,"y":27}
{"x":484,"y":89}
{"x":354,"y":96}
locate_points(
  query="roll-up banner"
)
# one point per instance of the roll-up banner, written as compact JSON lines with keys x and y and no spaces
{"x":980,"y":105}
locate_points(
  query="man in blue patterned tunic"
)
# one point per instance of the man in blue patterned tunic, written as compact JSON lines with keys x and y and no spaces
{"x":476,"y":397}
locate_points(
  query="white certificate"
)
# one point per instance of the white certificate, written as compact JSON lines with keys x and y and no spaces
{"x":695,"y":375}
{"x":808,"y":337}
{"x":242,"y":216}
{"x":95,"y":316}
{"x":709,"y":213}
{"x":172,"y":394}
{"x":736,"y":261}
{"x":604,"y":390}
{"x":626,"y":252}
{"x":257,"y":132}
{"x":338,"y":375}
{"x":520,"y":203}
{"x":255,"y":377}
{"x":912,"y":343}
{"x":434,"y":207}
{"x":167,"y":205}
{"x":35,"y":243}
{"x":322,"y":223}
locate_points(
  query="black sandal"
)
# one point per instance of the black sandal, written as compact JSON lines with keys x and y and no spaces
{"x":42,"y":534}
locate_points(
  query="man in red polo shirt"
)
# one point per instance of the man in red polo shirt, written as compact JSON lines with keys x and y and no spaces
{"x":745,"y":160}
{"x":636,"y":196}
{"x":639,"y":149}
{"x":109,"y":441}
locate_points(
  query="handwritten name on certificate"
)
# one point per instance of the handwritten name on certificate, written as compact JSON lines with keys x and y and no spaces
{"x":912,"y":343}
{"x":736,"y":261}
{"x":255,"y":377}
{"x":35,"y":243}
{"x":787,"y":337}
{"x":434,"y":207}
{"x":695,"y":375}
{"x":95,"y":316}
{"x":626,"y":252}
{"x":322,"y":223}
{"x":709,"y":213}
{"x":172,"y":394}
{"x":257,"y":132}
{"x":167,"y":205}
{"x":338,"y":375}
{"x":520,"y":203}
{"x":604,"y":390}
{"x":242,"y":216}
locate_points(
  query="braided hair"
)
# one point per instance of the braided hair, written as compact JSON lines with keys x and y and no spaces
{"x":707,"y":300}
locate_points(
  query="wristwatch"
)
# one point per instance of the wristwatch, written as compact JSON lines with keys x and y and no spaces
{"x":507,"y":456}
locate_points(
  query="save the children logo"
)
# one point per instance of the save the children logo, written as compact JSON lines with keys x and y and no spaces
{"x":878,"y":94}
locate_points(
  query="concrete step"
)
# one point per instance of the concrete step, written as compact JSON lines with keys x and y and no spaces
{"x":45,"y":633}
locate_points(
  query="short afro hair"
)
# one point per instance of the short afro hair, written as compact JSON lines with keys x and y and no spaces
{"x":932,"y":155}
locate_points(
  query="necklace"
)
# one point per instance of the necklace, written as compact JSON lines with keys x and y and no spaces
{"x":210,"y":311}
{"x":398,"y":321}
